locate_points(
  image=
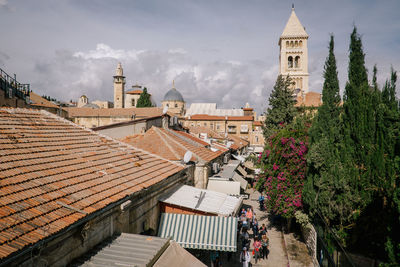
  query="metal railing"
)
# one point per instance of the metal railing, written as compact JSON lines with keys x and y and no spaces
{"x":12,"y":87}
{"x":332,"y":254}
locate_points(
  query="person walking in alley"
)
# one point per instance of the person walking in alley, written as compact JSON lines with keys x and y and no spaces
{"x":261,"y":201}
{"x":255,"y":229}
{"x":245,"y":257}
{"x":265,"y":246}
{"x":257,"y":249}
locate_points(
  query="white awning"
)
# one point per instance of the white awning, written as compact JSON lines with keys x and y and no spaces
{"x":200,"y":232}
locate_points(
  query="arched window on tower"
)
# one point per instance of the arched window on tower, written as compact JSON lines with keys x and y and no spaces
{"x":287,"y":43}
{"x":133,"y":102}
{"x":301,"y":43}
{"x":297,"y":62}
{"x":296,"y":44}
{"x":290,"y":62}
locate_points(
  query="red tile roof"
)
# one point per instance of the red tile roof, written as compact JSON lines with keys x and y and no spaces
{"x":134,"y":92}
{"x":50,"y":168}
{"x":257,"y":123}
{"x":37,"y":100}
{"x":173,"y":145}
{"x":238,"y":142}
{"x":201,"y":129}
{"x":114,"y":112}
{"x":205,"y":117}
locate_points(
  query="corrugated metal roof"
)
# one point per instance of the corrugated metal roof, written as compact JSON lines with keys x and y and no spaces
{"x":237,"y":178}
{"x":224,"y":186}
{"x":203,"y":200}
{"x":211,"y":109}
{"x":200,"y":232}
{"x":129,"y":250}
{"x":228,"y":170}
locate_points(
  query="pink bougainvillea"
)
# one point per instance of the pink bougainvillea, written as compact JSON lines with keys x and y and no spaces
{"x":282,"y":176}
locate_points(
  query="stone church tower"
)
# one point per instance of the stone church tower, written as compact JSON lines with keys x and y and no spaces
{"x":293,"y":58}
{"x":119,"y":87}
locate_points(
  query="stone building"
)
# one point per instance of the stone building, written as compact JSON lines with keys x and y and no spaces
{"x":132,"y":96}
{"x":95,"y":117}
{"x":293,"y":58}
{"x":174,"y":101}
{"x":119,"y":87}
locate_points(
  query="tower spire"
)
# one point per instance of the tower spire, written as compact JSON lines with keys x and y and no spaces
{"x":292,"y":6}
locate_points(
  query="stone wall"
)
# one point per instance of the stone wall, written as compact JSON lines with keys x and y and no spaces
{"x":310,"y":238}
{"x":11,"y":102}
{"x":136,"y":214}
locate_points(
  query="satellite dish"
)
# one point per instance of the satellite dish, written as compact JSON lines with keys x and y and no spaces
{"x":213,"y":149}
{"x":165,"y":109}
{"x":228,"y":145}
{"x":187,"y":157}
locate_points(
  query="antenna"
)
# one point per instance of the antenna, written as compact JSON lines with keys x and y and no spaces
{"x":187,"y":157}
{"x":165,"y":109}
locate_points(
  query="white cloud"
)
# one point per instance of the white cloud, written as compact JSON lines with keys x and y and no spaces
{"x":229,"y":83}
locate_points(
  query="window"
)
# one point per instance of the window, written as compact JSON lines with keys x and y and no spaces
{"x":167,"y":105}
{"x":297,"y":62}
{"x":133,"y":102}
{"x":244,"y":128}
{"x":296,"y":44}
{"x":205,"y":124}
{"x":256,"y":139}
{"x":231,"y":129}
{"x":176,"y":105}
{"x":217,"y":126}
{"x":287,"y":43}
{"x":290,"y":62}
{"x":301,"y":43}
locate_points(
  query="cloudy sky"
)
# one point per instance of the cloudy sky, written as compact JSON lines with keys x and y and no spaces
{"x":216,"y":51}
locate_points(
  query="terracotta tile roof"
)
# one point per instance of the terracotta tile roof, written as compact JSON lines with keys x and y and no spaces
{"x":257,"y":123}
{"x":238,"y":142}
{"x":37,"y":100}
{"x":201,"y":129}
{"x":173,"y":145}
{"x":310,"y":99}
{"x":134,"y":92}
{"x":241,"y":118}
{"x":205,"y":117}
{"x":114,"y":112}
{"x":247,"y":109}
{"x":54,"y":173}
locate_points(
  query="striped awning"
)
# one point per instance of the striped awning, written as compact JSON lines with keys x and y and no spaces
{"x":200,"y":232}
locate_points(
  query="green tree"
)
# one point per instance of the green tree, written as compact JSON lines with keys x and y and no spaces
{"x":281,"y":111}
{"x":326,"y":190}
{"x":144,"y":100}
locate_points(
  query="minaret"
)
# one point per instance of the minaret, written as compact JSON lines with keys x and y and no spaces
{"x":119,"y":87}
{"x":293,"y":58}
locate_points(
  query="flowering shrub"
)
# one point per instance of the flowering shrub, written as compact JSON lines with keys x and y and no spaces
{"x":283,"y":171}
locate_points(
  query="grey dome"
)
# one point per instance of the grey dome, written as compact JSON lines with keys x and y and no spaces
{"x":91,"y":105}
{"x":173,"y":95}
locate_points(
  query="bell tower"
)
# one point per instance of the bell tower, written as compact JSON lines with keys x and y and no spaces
{"x":119,"y":87}
{"x":293,"y":58}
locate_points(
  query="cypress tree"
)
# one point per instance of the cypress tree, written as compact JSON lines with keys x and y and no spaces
{"x":281,"y":111}
{"x":326,"y":191}
{"x":144,"y":100}
{"x":358,"y":124}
